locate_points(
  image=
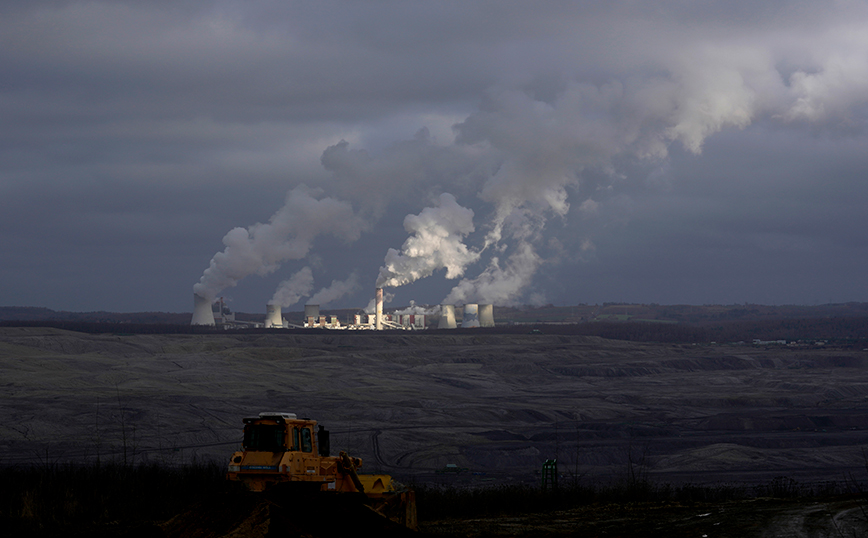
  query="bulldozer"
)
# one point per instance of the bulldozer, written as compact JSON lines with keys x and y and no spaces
{"x":282,"y":451}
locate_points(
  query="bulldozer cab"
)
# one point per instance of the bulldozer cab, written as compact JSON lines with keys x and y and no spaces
{"x":283,"y":432}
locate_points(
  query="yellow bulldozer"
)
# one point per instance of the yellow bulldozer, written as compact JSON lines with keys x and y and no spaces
{"x":282,"y":451}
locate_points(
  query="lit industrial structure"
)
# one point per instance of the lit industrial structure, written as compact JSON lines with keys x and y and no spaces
{"x":447,"y":317}
{"x":273,"y":316}
{"x":471,"y":316}
{"x":378,"y":297}
{"x":208,"y":313}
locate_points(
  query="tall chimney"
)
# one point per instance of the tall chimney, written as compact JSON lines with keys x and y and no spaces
{"x":202,"y":314}
{"x":379,"y":297}
{"x":273,"y":316}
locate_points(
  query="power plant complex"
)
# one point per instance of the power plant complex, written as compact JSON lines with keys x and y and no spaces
{"x":209,"y":313}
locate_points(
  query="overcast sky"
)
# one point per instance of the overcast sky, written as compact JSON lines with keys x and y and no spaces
{"x":507,"y":152}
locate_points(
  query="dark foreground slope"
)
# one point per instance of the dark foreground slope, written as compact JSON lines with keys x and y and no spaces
{"x":113,"y":501}
{"x":127,"y":501}
{"x":754,"y":518}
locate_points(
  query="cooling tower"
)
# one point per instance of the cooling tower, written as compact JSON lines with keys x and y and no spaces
{"x":471,"y":316}
{"x":311,"y":311}
{"x":486,"y":315}
{"x":273,"y":316}
{"x":447,"y":317}
{"x":202,"y":314}
{"x":379,"y":296}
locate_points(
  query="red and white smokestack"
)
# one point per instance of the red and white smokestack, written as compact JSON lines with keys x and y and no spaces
{"x":379,"y":297}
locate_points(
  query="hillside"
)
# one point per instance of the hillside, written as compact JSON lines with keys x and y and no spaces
{"x":497,"y":405}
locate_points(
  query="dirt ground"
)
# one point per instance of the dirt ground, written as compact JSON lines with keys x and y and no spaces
{"x":495,"y":405}
{"x":760,"y":518}
{"x":234,"y":517}
{"x":262,"y":516}
{"x":247,"y":515}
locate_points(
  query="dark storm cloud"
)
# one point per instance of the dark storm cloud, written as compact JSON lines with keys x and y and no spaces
{"x":666,"y":151}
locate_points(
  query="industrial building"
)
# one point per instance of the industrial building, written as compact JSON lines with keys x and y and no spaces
{"x":208,"y":313}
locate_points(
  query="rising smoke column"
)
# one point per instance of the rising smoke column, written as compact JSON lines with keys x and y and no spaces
{"x":261,"y":248}
{"x":336,"y":290}
{"x":533,"y":151}
{"x":403,"y":171}
{"x":545,"y":147}
{"x":294,"y":288}
{"x":371,"y":307}
{"x":419,"y":310}
{"x":436,"y":243}
{"x":501,"y":283}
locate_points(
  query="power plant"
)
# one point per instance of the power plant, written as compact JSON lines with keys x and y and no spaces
{"x":215,"y":313}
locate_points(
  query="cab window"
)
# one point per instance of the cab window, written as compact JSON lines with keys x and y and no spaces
{"x":294,"y":446}
{"x":306,"y":444}
{"x":264,"y":438}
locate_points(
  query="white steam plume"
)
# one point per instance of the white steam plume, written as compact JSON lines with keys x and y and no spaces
{"x":372,"y":304}
{"x":526,"y":152}
{"x":544,"y":147}
{"x":404,"y":171}
{"x":419,"y":309}
{"x":288,"y":235}
{"x":336,"y":290}
{"x":526,"y":155}
{"x":294,"y":288}
{"x":436,"y":243}
{"x":501,"y":285}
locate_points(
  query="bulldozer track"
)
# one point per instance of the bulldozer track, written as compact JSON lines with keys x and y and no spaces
{"x":375,"y":446}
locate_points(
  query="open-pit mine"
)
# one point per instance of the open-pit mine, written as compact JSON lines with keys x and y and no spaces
{"x":444,"y":406}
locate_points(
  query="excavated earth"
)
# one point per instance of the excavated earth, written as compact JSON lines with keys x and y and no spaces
{"x":492,"y":406}
{"x":755,"y":518}
{"x":273,"y":515}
